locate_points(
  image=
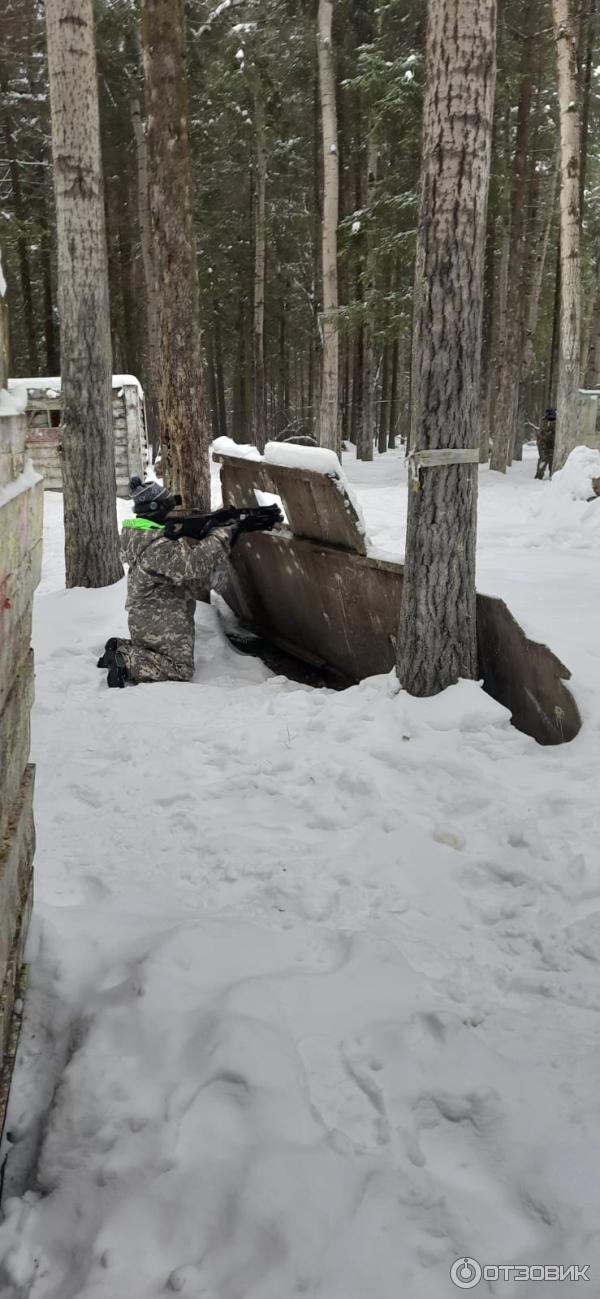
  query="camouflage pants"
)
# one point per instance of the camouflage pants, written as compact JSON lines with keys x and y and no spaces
{"x":544,"y":463}
{"x":144,"y":664}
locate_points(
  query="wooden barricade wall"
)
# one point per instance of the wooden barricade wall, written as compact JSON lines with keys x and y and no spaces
{"x":21,"y":512}
{"x":311,"y":589}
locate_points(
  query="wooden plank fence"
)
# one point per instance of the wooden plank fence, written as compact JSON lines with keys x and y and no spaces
{"x":21,"y":511}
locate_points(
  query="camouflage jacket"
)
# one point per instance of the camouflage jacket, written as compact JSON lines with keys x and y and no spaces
{"x":165,"y":580}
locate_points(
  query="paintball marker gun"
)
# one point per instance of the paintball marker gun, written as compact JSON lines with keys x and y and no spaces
{"x":260,"y":518}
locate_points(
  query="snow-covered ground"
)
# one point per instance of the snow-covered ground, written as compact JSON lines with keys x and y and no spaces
{"x":314,"y":1002}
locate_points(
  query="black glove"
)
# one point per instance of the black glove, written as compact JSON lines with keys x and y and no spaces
{"x":262,"y":519}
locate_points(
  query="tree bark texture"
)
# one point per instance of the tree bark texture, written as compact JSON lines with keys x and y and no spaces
{"x":22,"y":240}
{"x":541,"y":242}
{"x":507,"y":401}
{"x":570,"y":269}
{"x":152,"y":349}
{"x":329,"y":403}
{"x":592,"y":365}
{"x":182,"y":414}
{"x":88,"y":461}
{"x":259,"y":194}
{"x":437,"y":640}
{"x":588,"y":25}
{"x":368,"y":425}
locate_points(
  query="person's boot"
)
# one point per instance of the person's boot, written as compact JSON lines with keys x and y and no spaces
{"x":109,"y":653}
{"x":117,"y":672}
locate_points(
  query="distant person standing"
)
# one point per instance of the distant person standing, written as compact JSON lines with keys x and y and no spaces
{"x":545,"y":443}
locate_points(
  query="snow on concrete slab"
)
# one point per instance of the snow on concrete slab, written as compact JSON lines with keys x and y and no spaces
{"x":314,"y":999}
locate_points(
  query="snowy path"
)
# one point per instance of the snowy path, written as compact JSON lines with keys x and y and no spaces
{"x":317,"y":972}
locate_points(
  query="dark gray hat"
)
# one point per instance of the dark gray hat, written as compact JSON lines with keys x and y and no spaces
{"x":147,"y":494}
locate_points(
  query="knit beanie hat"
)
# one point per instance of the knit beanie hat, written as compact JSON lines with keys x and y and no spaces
{"x":149,"y":499}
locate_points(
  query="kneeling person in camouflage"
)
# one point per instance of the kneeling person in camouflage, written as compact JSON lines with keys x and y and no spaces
{"x":165,"y":579}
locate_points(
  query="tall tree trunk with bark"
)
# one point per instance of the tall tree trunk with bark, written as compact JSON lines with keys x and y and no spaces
{"x":259,"y":192}
{"x":555,"y":339}
{"x":329,"y":407}
{"x":540,"y":252}
{"x":592,"y":364}
{"x":182,"y":414}
{"x":22,"y":240}
{"x":50,"y":339}
{"x":507,"y":401}
{"x":368,"y":425}
{"x":587,"y":31}
{"x":570,"y":269}
{"x":152,"y":349}
{"x":437,"y":641}
{"x":88,"y":459}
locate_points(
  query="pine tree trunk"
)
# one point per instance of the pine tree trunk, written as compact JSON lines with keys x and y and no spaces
{"x":588,"y":31}
{"x":182,"y":415}
{"x":259,"y":193}
{"x":367,"y":428}
{"x":592,"y":365}
{"x":570,"y":270}
{"x":541,"y":242}
{"x":240,"y":421}
{"x":395,"y":389}
{"x":437,"y":640}
{"x":507,"y":401}
{"x":220,"y":377}
{"x":21,"y":240}
{"x":329,"y":435}
{"x":88,"y":459}
{"x":50,"y":339}
{"x":383,"y":413}
{"x":487,"y":342}
{"x":152,"y":349}
{"x":555,"y":340}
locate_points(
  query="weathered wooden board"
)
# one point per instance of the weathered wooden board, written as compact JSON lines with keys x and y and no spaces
{"x":15,"y":732}
{"x":21,"y":524}
{"x":342,"y":609}
{"x":21,"y":520}
{"x":317,"y":505}
{"x":12,"y":448}
{"x":16,"y":857}
{"x":16,"y":594}
{"x":8,"y":990}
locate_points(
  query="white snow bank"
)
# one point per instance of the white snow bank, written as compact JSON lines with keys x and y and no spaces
{"x":463,"y":707}
{"x":567,"y":511}
{"x":12,"y":402}
{"x":28,"y":478}
{"x":227,"y":447}
{"x":318,"y":459}
{"x":574,"y":480}
{"x":305,"y":964}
